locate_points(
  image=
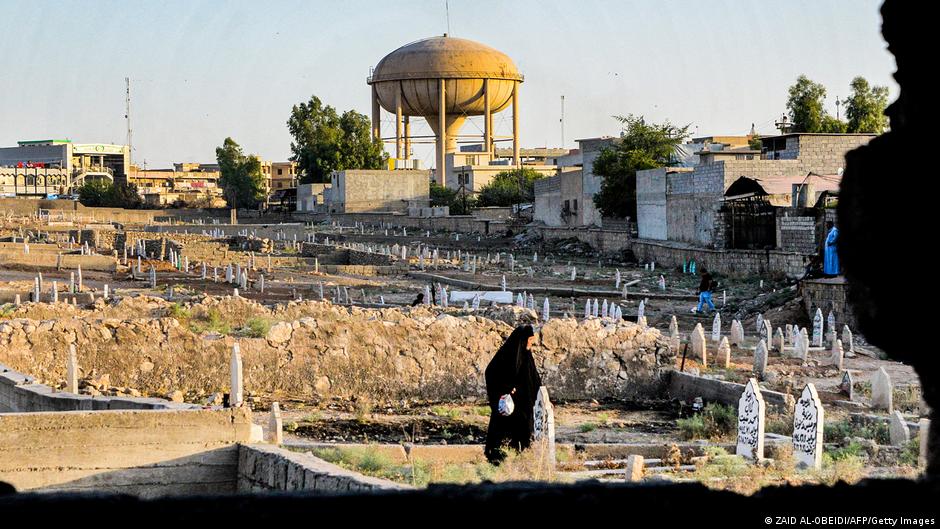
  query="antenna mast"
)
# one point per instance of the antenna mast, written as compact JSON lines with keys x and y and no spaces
{"x":127,"y":116}
{"x":562,"y":120}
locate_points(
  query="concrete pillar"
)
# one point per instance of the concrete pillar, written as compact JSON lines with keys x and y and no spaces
{"x":442,"y":139}
{"x":487,"y":118}
{"x":376,"y":116}
{"x":515,"y":124}
{"x":398,"y":139}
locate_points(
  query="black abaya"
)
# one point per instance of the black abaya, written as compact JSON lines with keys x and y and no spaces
{"x":512,"y":370}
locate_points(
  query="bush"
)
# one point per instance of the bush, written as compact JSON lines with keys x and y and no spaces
{"x":256,"y":327}
{"x":876,"y":431}
{"x":714,"y":422}
{"x":102,"y":193}
{"x":510,"y":187}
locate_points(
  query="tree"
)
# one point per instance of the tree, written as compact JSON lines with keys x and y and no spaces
{"x":805,"y":105}
{"x":509,"y":187}
{"x":106,"y":194}
{"x":642,"y":146}
{"x":459,"y":203}
{"x":240,"y":178}
{"x":325,"y":141}
{"x":865,"y":108}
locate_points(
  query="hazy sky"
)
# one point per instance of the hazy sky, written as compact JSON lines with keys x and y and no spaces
{"x":204,"y":70}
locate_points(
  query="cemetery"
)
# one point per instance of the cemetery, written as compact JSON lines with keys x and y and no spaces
{"x":356,"y":352}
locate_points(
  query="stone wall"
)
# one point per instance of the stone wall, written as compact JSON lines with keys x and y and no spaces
{"x":143,"y":453}
{"x":266,"y":468}
{"x":606,"y":241}
{"x":334,"y":255}
{"x":797,"y":235}
{"x":316,"y":349}
{"x":730,"y":262}
{"x":829,"y":294}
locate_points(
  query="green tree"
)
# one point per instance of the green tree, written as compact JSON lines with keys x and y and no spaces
{"x":805,"y":105}
{"x":459,"y":203}
{"x":865,"y":108}
{"x":102,"y":193}
{"x":642,"y":146}
{"x":325,"y":141}
{"x":516,"y":186}
{"x":241,"y":179}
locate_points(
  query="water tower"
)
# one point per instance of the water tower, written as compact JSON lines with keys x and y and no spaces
{"x":444,"y":80}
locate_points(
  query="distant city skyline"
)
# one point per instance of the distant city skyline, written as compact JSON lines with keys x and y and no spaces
{"x":204,"y":70}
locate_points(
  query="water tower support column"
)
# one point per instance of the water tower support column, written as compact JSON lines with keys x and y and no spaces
{"x":398,"y":141}
{"x":442,"y":136}
{"x":376,"y":116}
{"x":515,"y":123}
{"x":487,"y":118}
{"x":407,"y":137}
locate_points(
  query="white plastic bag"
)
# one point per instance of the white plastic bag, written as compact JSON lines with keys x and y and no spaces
{"x":506,"y":405}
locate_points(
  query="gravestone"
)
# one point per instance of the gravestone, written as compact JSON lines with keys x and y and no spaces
{"x":605,"y":310}
{"x":275,"y":425}
{"x":899,"y":432}
{"x":724,"y":353}
{"x":831,"y":324}
{"x":673,"y":327}
{"x":751,"y":409}
{"x":697,"y":338}
{"x":760,"y":358}
{"x":642,"y":323}
{"x":847,"y":386}
{"x":759,"y":324}
{"x":587,"y":309}
{"x":847,"y":345}
{"x":837,"y":354}
{"x":543,"y":428}
{"x":767,"y":333}
{"x":737,"y":333}
{"x":808,"y":422}
{"x":922,"y":435}
{"x":634,"y":469}
{"x":779,"y":343}
{"x":545,"y":310}
{"x":71,"y":371}
{"x":804,"y":345}
{"x":641,"y":309}
{"x":882,"y":391}
{"x":236,"y":396}
{"x":818,"y":328}
{"x":716,"y":328}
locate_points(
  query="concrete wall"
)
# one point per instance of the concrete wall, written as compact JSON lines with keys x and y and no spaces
{"x":266,"y":468}
{"x":606,"y":241}
{"x":797,"y":234}
{"x":377,"y":190}
{"x":730,"y":262}
{"x":829,"y":294}
{"x":686,"y":386}
{"x":144,"y":453}
{"x":822,"y":153}
{"x":651,"y":203}
{"x":548,"y":202}
{"x":591,"y":183}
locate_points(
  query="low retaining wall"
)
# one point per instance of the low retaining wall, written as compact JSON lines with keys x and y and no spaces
{"x":20,"y":393}
{"x":686,"y":386}
{"x":606,"y":241}
{"x":144,"y":453}
{"x":269,"y":468}
{"x":100,"y":263}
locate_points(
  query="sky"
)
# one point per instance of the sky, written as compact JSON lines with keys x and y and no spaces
{"x":204,"y":70}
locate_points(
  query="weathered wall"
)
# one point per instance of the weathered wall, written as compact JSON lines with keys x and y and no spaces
{"x":13,"y":258}
{"x":378,"y":190}
{"x":829,"y":294}
{"x":651,"y":203}
{"x":797,"y":234}
{"x":607,"y":241}
{"x":686,"y":386}
{"x":318,"y":349}
{"x":266,"y":468}
{"x":144,"y":453}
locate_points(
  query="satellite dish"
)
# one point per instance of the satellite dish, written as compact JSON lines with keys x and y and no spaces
{"x":839,"y":172}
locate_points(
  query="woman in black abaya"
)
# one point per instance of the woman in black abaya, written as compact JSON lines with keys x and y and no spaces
{"x":511,"y":371}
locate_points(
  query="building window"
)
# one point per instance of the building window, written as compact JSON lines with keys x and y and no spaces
{"x":280,"y":172}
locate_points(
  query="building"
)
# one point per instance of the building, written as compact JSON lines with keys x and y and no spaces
{"x":472,"y":168}
{"x":59,"y":166}
{"x":567,"y":199}
{"x":187,"y":183}
{"x":311,"y":197}
{"x":732,"y":198}
{"x":283,"y":175}
{"x":360,"y":190}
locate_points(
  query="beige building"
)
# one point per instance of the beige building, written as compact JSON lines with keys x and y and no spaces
{"x":41,"y":163}
{"x":163,"y":187}
{"x":357,"y":191}
{"x":311,"y":197}
{"x":283,"y":175}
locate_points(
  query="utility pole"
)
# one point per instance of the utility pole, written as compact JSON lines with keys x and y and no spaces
{"x":127,"y":116}
{"x":562,"y":120}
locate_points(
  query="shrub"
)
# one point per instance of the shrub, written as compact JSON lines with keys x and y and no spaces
{"x":714,"y":422}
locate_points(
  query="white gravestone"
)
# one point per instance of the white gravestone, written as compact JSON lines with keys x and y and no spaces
{"x":751,"y":409}
{"x":543,"y":417}
{"x":808,"y":421}
{"x":737,"y":333}
{"x":275,"y":425}
{"x":837,"y":354}
{"x":882,"y":391}
{"x":673,"y":327}
{"x":847,"y":345}
{"x":818,"y":328}
{"x":236,"y":396}
{"x":898,"y":430}
{"x":779,"y":344}
{"x":767,"y":333}
{"x":724,"y":353}
{"x":759,"y":324}
{"x":760,"y":358}
{"x":71,"y":371}
{"x":847,"y":386}
{"x":716,"y":328}
{"x":697,"y":338}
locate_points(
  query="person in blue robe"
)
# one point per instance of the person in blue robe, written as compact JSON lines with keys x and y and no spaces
{"x":830,"y":253}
